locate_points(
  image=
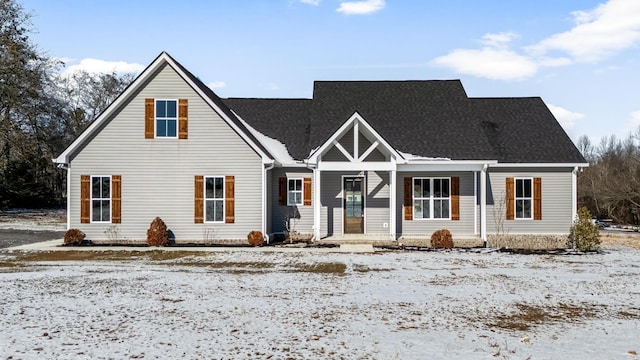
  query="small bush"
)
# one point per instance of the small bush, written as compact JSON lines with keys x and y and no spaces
{"x":73,"y":237}
{"x":442,"y":239}
{"x":255,"y":238}
{"x":584,"y":234}
{"x":157,"y":234}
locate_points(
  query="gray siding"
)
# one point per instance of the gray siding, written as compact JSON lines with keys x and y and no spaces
{"x":556,"y":201}
{"x":421,"y":228}
{"x":302,"y":216}
{"x":376,"y":202}
{"x":158,"y":174}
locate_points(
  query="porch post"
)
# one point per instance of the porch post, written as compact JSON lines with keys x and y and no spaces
{"x":316,"y":203}
{"x":392,"y":205}
{"x":483,"y":204}
{"x":475,"y":203}
{"x":574,"y":194}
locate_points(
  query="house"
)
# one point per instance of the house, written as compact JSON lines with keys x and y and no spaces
{"x":372,"y":160}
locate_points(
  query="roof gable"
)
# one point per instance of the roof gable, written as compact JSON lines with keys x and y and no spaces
{"x":424,"y":118}
{"x":359,"y":126}
{"x":147,"y":75}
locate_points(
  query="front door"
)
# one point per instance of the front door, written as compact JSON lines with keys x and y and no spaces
{"x":353,"y":205}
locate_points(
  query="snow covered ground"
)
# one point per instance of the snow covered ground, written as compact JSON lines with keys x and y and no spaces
{"x":310,"y":305}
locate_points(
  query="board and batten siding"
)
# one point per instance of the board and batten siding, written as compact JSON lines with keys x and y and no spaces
{"x":158,"y":174}
{"x":302,"y":214}
{"x":424,"y":228}
{"x":556,"y":200}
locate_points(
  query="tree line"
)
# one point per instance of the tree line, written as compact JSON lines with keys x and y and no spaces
{"x":610,"y":186}
{"x":41,"y":112}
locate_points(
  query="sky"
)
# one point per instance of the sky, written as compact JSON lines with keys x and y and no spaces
{"x":582,"y":57}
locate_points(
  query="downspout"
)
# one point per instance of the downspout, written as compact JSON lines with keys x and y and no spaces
{"x":265,"y":200}
{"x":483,"y":204}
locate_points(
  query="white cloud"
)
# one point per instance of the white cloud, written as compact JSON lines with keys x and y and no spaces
{"x":599,"y":33}
{"x":360,"y":7}
{"x":496,"y":64}
{"x":634,"y":122}
{"x":311,"y":2}
{"x":216,"y":85}
{"x":94,"y":66}
{"x":566,"y":118}
{"x":498,"y":40}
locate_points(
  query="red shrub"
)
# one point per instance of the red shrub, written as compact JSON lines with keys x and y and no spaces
{"x":442,"y":239}
{"x":255,"y":238}
{"x":73,"y":237}
{"x":157,"y":234}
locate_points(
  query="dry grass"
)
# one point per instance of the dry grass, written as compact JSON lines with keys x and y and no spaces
{"x":631,"y":240}
{"x":531,"y":315}
{"x":176,"y":258}
{"x":321,"y":268}
{"x":80,"y":255}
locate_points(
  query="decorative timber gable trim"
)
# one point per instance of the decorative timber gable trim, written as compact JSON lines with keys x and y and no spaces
{"x":355,"y":159}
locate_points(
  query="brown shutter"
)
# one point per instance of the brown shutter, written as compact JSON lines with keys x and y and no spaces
{"x":229,"y":200}
{"x":198,"y":203}
{"x":510,"y":199}
{"x":116,"y":199}
{"x":85,"y":199}
{"x":183,"y":119}
{"x":455,"y":198}
{"x":307,"y":191}
{"x":408,"y":198}
{"x":537,"y":198}
{"x":282,"y":195}
{"x":149,"y":118}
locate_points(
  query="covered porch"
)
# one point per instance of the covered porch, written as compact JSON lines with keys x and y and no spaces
{"x":360,"y":190}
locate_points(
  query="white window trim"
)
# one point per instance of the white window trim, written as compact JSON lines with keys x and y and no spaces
{"x":301,"y":191}
{"x":91,"y":199}
{"x":516,"y":198}
{"x":431,"y":198}
{"x":204,"y":196}
{"x":155,"y":119}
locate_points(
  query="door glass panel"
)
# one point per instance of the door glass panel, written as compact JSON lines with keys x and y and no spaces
{"x":353,"y":198}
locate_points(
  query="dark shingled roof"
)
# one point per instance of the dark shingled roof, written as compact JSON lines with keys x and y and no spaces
{"x":286,"y":120}
{"x":427,"y":118}
{"x":523,"y":130}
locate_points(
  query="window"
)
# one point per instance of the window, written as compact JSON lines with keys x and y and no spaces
{"x":431,"y":198}
{"x":166,"y":118}
{"x":524,"y":198}
{"x":101,"y":199}
{"x":214,"y":199}
{"x":294,"y":192}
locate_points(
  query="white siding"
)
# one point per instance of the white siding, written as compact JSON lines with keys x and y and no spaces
{"x":556,"y":201}
{"x":158,"y":174}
